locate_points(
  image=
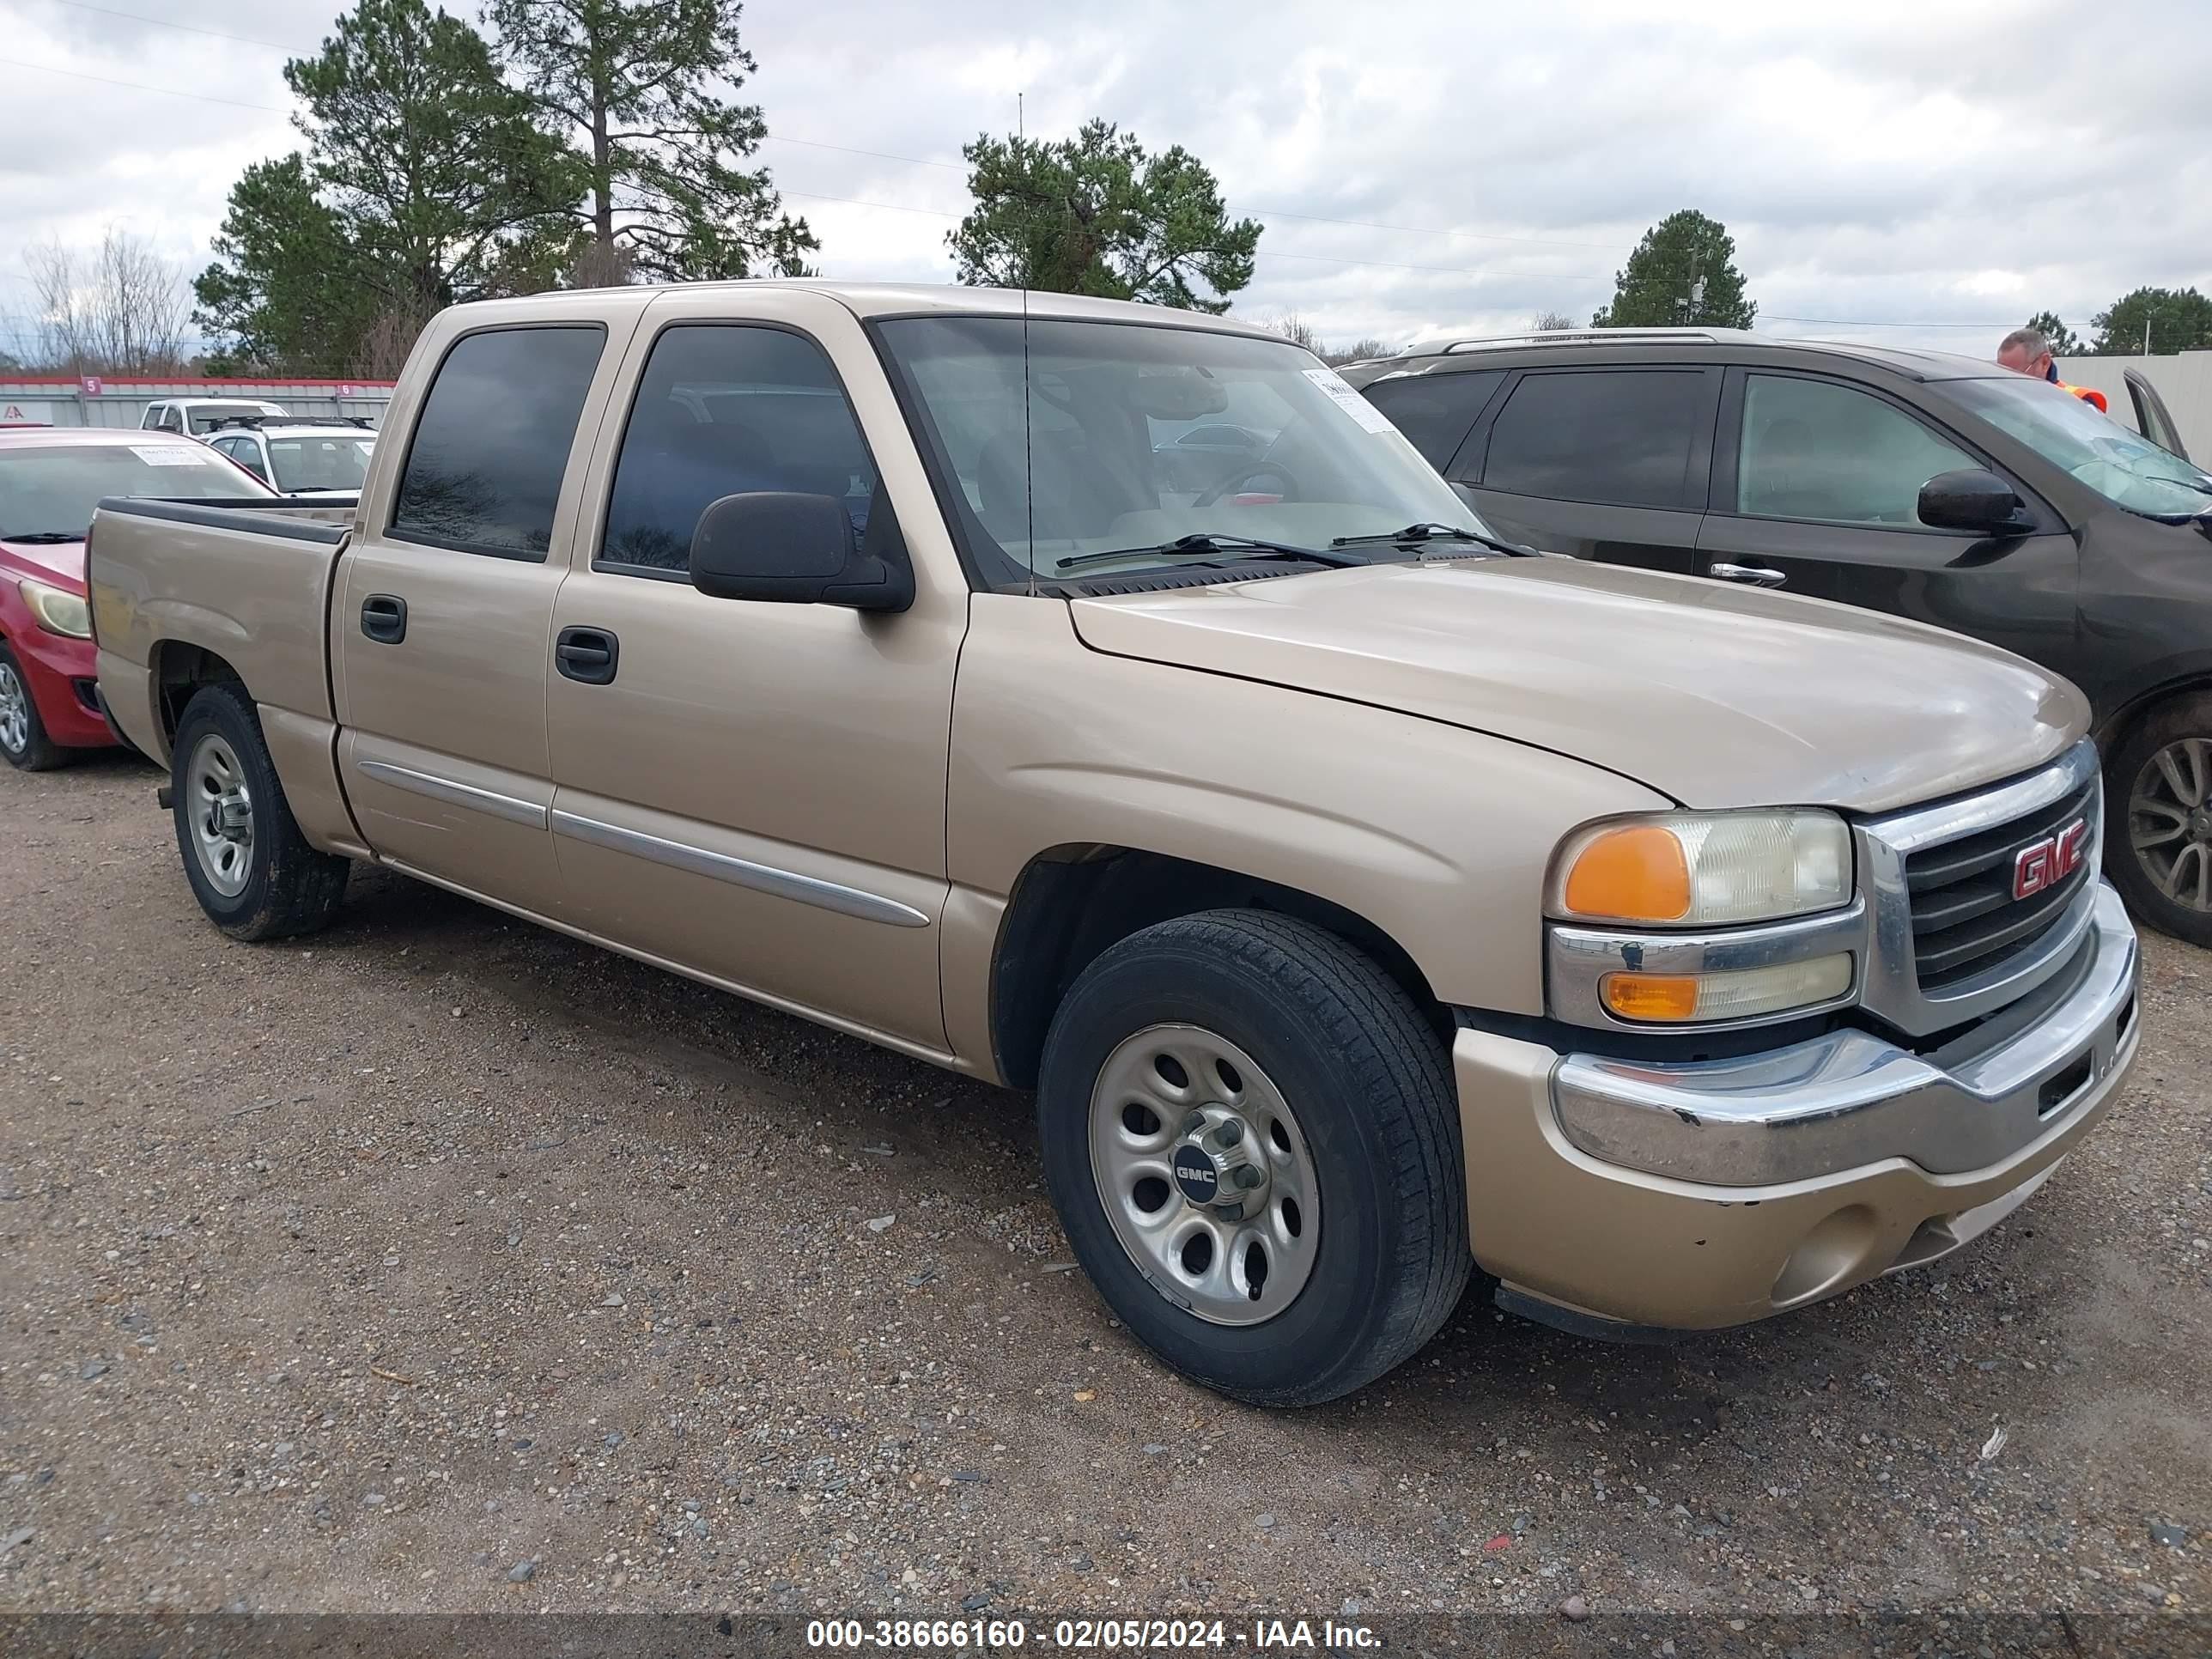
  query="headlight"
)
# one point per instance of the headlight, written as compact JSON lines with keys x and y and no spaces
{"x":57,"y":611}
{"x":1703,"y":869}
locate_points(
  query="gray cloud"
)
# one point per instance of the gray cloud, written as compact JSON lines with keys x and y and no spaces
{"x":1882,"y":161}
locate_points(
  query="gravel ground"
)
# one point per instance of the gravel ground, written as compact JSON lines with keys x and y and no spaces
{"x":440,"y":1263}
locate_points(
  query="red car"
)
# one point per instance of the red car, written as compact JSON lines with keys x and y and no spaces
{"x":50,"y":478}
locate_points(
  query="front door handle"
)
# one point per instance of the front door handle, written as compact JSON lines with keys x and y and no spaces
{"x":586,"y":654}
{"x":384,"y":618}
{"x":1758,"y":575}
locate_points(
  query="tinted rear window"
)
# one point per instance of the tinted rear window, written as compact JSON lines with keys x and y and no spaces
{"x":1435,"y":411}
{"x":1621,"y":437}
{"x":484,"y":468}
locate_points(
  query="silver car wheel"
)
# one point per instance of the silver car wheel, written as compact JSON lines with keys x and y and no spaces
{"x":1205,"y":1173}
{"x":220,"y":809}
{"x":15,"y":711}
{"x":2170,"y":821}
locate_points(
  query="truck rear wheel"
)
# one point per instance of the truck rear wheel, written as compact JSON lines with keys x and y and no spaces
{"x":2158,"y":818}
{"x":1252,"y":1137}
{"x":249,"y":865}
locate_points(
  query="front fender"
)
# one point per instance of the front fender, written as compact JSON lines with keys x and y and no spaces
{"x":1438,"y":836}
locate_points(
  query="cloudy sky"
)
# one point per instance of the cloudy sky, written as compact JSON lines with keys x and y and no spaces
{"x":1911,"y":171}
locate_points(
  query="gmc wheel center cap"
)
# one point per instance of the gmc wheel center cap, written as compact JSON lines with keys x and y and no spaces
{"x":1196,"y":1174}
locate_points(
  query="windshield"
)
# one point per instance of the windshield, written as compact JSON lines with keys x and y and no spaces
{"x":50,"y":489}
{"x":332,"y":463}
{"x":1137,"y":435}
{"x":2126,"y":470}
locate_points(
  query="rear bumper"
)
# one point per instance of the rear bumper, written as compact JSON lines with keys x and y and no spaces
{"x":1701,"y":1195}
{"x":60,"y":672}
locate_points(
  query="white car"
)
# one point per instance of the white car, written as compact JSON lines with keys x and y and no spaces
{"x":197,"y":416}
{"x":307,"y":459}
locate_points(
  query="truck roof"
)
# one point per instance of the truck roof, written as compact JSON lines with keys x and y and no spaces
{"x":945,"y":299}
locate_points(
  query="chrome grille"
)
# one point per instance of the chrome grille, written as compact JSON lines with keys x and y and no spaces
{"x":1950,"y":944}
{"x":1965,"y":919}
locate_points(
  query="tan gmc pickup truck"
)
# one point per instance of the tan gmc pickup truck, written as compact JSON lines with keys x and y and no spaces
{"x":1107,"y":702}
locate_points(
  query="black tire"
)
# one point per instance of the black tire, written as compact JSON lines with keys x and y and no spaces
{"x":289,"y":888}
{"x":36,"y":752}
{"x":1371,"y":1083}
{"x":2176,"y":720}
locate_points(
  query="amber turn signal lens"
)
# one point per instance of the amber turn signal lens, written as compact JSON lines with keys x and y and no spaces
{"x":1637,"y":872}
{"x":1652,"y":996}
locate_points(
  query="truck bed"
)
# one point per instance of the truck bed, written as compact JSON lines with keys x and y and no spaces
{"x":184,"y":592}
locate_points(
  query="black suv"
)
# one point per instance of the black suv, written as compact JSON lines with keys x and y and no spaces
{"x":1931,"y":486}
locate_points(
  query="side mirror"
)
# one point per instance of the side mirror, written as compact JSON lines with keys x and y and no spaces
{"x":795,"y":550}
{"x":1974,"y":499}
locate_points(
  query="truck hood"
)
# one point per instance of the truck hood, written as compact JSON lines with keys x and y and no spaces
{"x":1713,"y":695}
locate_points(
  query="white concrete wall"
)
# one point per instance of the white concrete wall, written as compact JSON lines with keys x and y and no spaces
{"x":2183,"y":382}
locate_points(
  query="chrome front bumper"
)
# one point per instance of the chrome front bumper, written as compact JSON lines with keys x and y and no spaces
{"x":1850,"y":1098}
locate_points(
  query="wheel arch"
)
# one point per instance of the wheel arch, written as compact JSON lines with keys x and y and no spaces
{"x":177,"y":668}
{"x":1073,"y":902}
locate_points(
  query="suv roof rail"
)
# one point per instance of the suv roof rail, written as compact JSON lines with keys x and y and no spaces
{"x":1572,"y":337}
{"x":246,"y":419}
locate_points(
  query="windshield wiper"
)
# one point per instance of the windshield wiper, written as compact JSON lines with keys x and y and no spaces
{"x":1245,"y":546}
{"x":1414,"y":534}
{"x":43,"y":537}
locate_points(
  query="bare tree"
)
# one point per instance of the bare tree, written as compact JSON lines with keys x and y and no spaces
{"x":1298,"y":331}
{"x":385,"y":344}
{"x":1548,"y":320}
{"x":1364,"y":349}
{"x":119,"y":309}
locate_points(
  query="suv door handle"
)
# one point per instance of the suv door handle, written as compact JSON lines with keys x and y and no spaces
{"x":384,"y":618}
{"x":586,"y":654}
{"x":1758,"y":575}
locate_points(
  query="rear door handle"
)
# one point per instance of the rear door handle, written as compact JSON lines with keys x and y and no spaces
{"x":384,"y":618}
{"x":586,"y":654}
{"x":1758,"y":575}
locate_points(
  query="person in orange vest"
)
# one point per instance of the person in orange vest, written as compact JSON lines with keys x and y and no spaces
{"x":2026,"y":351}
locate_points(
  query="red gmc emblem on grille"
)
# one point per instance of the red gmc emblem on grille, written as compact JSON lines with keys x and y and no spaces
{"x":2047,"y":862}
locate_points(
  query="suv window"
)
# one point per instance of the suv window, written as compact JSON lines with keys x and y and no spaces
{"x":164,"y":417}
{"x":1815,"y":450}
{"x":724,"y":408}
{"x":1435,"y":411}
{"x":1616,"y":436}
{"x":483,"y":471}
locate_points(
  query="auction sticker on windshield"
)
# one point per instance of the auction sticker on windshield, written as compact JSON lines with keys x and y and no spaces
{"x":171,"y":455}
{"x":1369,"y":417}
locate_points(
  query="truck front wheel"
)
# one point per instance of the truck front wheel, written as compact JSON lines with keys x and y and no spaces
{"x":1251,"y":1135}
{"x":249,"y":865}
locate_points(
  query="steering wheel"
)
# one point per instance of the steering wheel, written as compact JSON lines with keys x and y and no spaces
{"x":1290,"y":491}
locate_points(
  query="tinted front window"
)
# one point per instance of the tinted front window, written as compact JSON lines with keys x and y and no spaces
{"x":1435,"y":411}
{"x":484,"y":467}
{"x":1817,"y":451}
{"x":1620,"y":437}
{"x":2093,"y":448}
{"x":722,"y":411}
{"x":50,"y":489}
